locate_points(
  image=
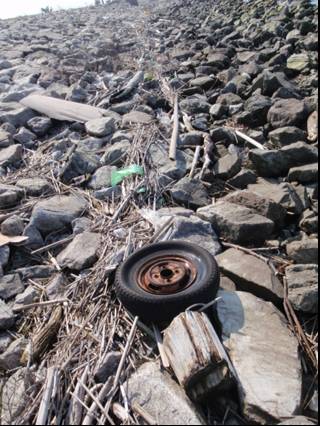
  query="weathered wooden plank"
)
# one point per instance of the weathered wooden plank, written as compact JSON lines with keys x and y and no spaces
{"x":195,"y":354}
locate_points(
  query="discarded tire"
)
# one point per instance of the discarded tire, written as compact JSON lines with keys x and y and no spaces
{"x":162,"y":280}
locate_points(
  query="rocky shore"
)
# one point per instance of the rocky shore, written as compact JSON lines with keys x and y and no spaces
{"x":201,"y":125}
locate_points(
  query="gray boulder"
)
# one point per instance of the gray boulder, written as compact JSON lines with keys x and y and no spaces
{"x":275,"y":163}
{"x":286,"y":136}
{"x":11,"y":155}
{"x":57,"y":212}
{"x":161,"y":397}
{"x":34,"y":187}
{"x":236,"y":223}
{"x":116,"y":153}
{"x":244,"y":178}
{"x":101,"y":127}
{"x":265,"y":356}
{"x":7,"y":318}
{"x":40,"y":125}
{"x":190,"y":193}
{"x":303,"y":284}
{"x":102,"y":178}
{"x":288,"y":112}
{"x":227,"y":167}
{"x":81,"y":253}
{"x":305,"y":251}
{"x":10,"y":286}
{"x":304,"y":174}
{"x":80,"y":163}
{"x":11,"y":358}
{"x":5,"y":139}
{"x":283,"y":194}
{"x":12,"y":226}
{"x":251,"y":274}
{"x":264,"y":206}
{"x":196,"y":231}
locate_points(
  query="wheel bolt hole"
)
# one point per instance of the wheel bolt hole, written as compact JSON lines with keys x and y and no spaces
{"x":166,"y":273}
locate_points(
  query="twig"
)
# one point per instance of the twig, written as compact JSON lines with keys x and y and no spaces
{"x":125,"y":352}
{"x":45,"y":403}
{"x":175,"y":132}
{"x":53,"y":245}
{"x":249,"y":140}
{"x":75,"y":407}
{"x":195,"y":161}
{"x":40,"y":304}
{"x":143,"y":414}
{"x":163,"y":355}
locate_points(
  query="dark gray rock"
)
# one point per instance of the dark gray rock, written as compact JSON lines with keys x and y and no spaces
{"x":35,"y":187}
{"x":270,"y":389}
{"x":256,"y":111}
{"x":5,"y":139}
{"x":11,"y":155}
{"x":35,"y":239}
{"x":108,"y":367}
{"x":35,"y":271}
{"x":7,"y":318}
{"x":174,"y":170}
{"x":56,"y":287}
{"x":80,"y":225}
{"x":81,"y":253}
{"x":195,"y":105}
{"x":229,"y":99}
{"x":57,"y":212}
{"x":304,"y":174}
{"x":251,"y":274}
{"x":288,"y":112}
{"x":30,"y":295}
{"x":101,"y":127}
{"x":40,"y":125}
{"x":106,"y":194}
{"x":263,"y":206}
{"x":11,"y":358}
{"x":12,"y":226}
{"x":303,"y":287}
{"x":309,"y":222}
{"x":102,"y":178}
{"x":237,"y":224}
{"x":205,"y":83}
{"x":116,"y":153}
{"x":16,"y":115}
{"x":305,"y":251}
{"x":191,"y":139}
{"x":243,"y":179}
{"x":5,"y":341}
{"x":227,"y":167}
{"x":25,"y":137}
{"x":80,"y":163}
{"x":278,"y":163}
{"x":283,"y":194}
{"x":286,"y":136}
{"x":4,"y":256}
{"x":10,"y":286}
{"x":190,"y":193}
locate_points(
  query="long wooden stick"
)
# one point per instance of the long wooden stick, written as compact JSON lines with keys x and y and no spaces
{"x":45,"y":403}
{"x":195,"y":161}
{"x":175,"y":132}
{"x":250,"y":140}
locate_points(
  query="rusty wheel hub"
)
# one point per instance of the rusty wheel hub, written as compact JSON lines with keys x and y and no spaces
{"x":167,"y":275}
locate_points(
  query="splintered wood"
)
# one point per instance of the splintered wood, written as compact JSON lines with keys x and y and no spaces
{"x":196,"y":355}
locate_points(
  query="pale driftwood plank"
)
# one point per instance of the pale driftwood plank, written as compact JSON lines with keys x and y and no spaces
{"x":195,"y":355}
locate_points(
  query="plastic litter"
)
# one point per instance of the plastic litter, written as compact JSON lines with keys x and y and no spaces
{"x":118,"y":176}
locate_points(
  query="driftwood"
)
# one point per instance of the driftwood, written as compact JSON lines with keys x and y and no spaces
{"x":196,"y":355}
{"x":43,"y":340}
